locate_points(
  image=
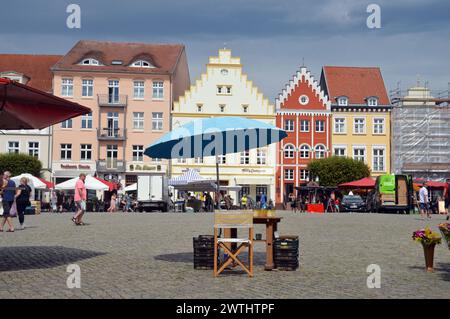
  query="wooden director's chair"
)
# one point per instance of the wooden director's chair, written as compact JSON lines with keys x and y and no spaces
{"x":233,"y":246}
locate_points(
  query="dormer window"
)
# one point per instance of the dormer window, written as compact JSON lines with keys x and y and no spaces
{"x":372,"y":101}
{"x":342,"y":101}
{"x":90,"y":61}
{"x":141,"y":64}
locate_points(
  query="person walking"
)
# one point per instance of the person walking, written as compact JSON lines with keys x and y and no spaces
{"x":447,"y":203}
{"x":23,"y":193}
{"x":112,"y":205}
{"x":424,"y":202}
{"x":244,"y":201}
{"x":80,"y":200}
{"x":263,"y":201}
{"x":293,"y":202}
{"x":7,"y":190}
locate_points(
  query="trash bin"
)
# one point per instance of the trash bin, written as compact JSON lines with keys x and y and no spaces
{"x":286,"y":252}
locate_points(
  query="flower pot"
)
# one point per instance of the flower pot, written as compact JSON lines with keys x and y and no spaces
{"x":428,"y":251}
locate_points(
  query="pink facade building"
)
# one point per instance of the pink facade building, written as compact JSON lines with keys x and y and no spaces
{"x":130,"y":88}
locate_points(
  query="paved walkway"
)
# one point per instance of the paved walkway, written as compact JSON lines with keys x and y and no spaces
{"x":150,"y":256}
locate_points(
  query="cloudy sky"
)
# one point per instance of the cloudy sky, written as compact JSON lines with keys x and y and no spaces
{"x":272,"y":37}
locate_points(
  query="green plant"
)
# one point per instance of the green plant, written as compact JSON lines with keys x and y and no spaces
{"x":20,"y":163}
{"x":336,"y":170}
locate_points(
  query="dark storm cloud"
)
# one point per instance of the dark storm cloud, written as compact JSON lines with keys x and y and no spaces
{"x":271,"y":37}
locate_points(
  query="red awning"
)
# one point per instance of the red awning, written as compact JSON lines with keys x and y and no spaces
{"x":23,"y":107}
{"x":47,"y":183}
{"x":366,"y":182}
{"x":112,"y":186}
{"x":433,"y":184}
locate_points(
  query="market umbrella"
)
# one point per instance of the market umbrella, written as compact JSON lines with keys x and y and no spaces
{"x":33,"y":181}
{"x":214,"y":136}
{"x":90,"y":183}
{"x":111,"y":186}
{"x":365,"y":182}
{"x":49,"y":185}
{"x":23,"y":107}
{"x":130,"y":188}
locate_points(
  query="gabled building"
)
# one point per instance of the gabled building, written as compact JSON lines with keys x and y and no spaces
{"x":360,"y":115}
{"x":34,"y":71}
{"x":130,"y":88}
{"x":304,"y":112}
{"x":224,"y":90}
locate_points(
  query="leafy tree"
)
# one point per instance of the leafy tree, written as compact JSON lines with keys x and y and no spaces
{"x":20,"y":163}
{"x":336,"y":170}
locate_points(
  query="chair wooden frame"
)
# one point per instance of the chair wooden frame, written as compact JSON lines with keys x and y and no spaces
{"x":233,"y":246}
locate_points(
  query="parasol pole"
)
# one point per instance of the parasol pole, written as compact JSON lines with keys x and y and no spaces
{"x":218,"y":183}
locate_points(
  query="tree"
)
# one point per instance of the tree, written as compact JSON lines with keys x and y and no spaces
{"x":336,"y":170}
{"x":20,"y":163}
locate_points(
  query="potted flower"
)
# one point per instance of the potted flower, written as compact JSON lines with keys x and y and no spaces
{"x":428,"y":239}
{"x":445,"y":231}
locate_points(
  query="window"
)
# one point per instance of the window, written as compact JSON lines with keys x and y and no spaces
{"x":303,"y":100}
{"x":245,"y":157}
{"x":339,"y":125}
{"x":198,"y":160}
{"x":222,"y":159}
{"x":141,"y":64}
{"x":222,"y":108}
{"x":66,"y":151}
{"x":86,"y":152}
{"x":289,"y":174}
{"x":138,"y":120}
{"x":378,"y":160}
{"x":289,"y":125}
{"x":289,"y":151}
{"x":138,"y":153}
{"x":219,"y":90}
{"x":13,"y":147}
{"x":138,"y":90}
{"x":90,"y":62}
{"x":87,"y":88}
{"x":181,"y":161}
{"x":359,"y":154}
{"x":157,"y":121}
{"x":67,"y":87}
{"x":320,"y":151}
{"x":304,"y":174}
{"x":66,"y":124}
{"x":156,"y":160}
{"x":342,"y":101}
{"x":304,"y":151}
{"x":245,"y":108}
{"x":340,"y":151}
{"x":372,"y":101}
{"x":359,"y":126}
{"x":261,"y":156}
{"x":113,"y":92}
{"x":378,"y":126}
{"x":158,"y":90}
{"x":224,"y":90}
{"x":320,"y":126}
{"x":304,"y":126}
{"x":33,"y":149}
{"x":199,"y":107}
{"x":86,"y":121}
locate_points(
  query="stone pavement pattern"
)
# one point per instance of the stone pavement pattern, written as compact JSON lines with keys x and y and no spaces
{"x":150,"y":256}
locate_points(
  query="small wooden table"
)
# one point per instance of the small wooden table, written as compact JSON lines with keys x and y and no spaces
{"x":271,"y":227}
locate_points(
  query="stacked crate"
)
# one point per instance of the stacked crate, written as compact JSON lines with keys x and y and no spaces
{"x":286,"y":253}
{"x":204,"y":252}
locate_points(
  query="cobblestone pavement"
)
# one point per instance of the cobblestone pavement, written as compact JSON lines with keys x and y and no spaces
{"x":150,"y":256}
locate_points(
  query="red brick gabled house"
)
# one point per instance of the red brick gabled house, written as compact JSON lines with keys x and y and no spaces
{"x":304,"y":111}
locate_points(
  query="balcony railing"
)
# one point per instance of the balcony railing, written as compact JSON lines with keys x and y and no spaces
{"x":111,"y":165}
{"x":111,"y":134}
{"x":112,"y":100}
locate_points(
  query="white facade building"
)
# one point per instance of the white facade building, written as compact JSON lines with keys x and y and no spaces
{"x":223,"y":90}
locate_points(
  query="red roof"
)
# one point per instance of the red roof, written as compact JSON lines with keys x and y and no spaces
{"x":366,"y":182}
{"x":34,"y":67}
{"x":356,"y":83}
{"x":164,"y":57}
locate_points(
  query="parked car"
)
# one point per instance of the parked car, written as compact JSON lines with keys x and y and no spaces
{"x":353,"y":203}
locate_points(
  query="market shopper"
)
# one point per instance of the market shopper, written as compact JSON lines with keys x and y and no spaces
{"x":80,"y":200}
{"x":424,"y":202}
{"x":7,"y":190}
{"x":22,"y":197}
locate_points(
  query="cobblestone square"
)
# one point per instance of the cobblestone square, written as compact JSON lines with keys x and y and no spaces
{"x":149,"y":255}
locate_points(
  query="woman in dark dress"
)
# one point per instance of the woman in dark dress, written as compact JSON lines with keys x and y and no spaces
{"x":22,"y":200}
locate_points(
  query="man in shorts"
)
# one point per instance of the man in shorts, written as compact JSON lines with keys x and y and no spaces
{"x":424,"y":203}
{"x":80,"y":200}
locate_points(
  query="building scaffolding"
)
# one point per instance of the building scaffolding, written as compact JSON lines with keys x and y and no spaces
{"x":421,"y":133}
